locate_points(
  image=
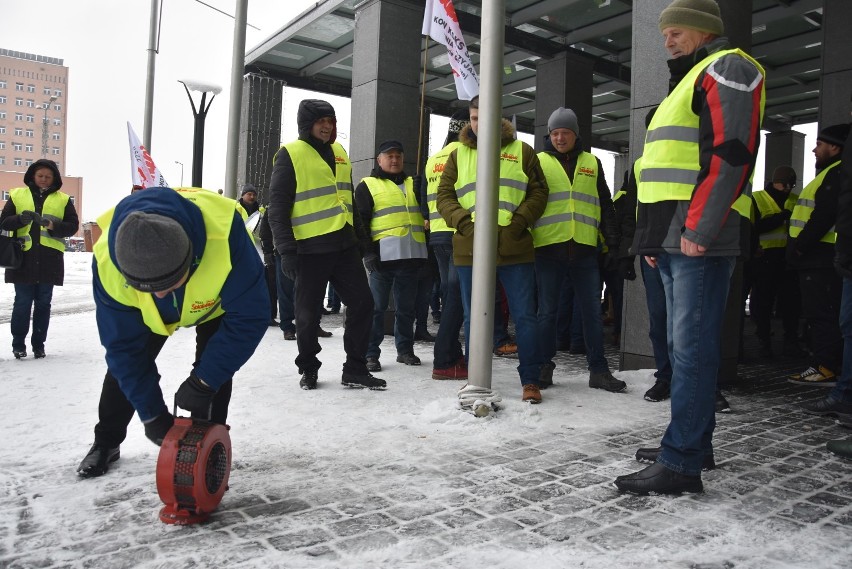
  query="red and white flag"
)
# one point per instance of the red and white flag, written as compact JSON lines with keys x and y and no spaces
{"x":442,"y":25}
{"x":144,"y":172}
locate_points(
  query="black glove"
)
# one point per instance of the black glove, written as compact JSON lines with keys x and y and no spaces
{"x":465,"y":227}
{"x":41,"y":220}
{"x":626,"y":269}
{"x":156,"y":429}
{"x":372,"y":263}
{"x":289,"y":266}
{"x":27,"y":217}
{"x":195,"y":397}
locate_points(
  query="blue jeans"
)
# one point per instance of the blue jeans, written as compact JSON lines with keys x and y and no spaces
{"x":519,"y":284}
{"x":843,"y":390}
{"x":25,"y":296}
{"x":655,"y":296}
{"x":403,"y":282}
{"x":696,"y":294}
{"x":284,"y":286}
{"x":447,"y":347}
{"x":586,"y":280}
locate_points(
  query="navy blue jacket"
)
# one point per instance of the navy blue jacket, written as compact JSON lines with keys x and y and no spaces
{"x":245,"y":300}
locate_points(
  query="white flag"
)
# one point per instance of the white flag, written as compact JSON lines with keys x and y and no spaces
{"x":442,"y":25}
{"x":144,"y":172}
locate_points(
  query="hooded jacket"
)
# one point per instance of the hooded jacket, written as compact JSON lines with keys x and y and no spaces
{"x":513,"y":245}
{"x":282,"y":189}
{"x":244,"y":299}
{"x":41,"y":264}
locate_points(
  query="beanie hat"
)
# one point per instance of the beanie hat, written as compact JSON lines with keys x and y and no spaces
{"x":701,"y":15}
{"x":835,"y":134}
{"x":563,"y":118}
{"x":248,"y":188}
{"x":784,"y":175}
{"x":458,"y":121}
{"x":152,"y":251}
{"x":312,"y":110}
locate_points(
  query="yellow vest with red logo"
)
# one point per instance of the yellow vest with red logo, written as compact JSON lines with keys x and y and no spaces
{"x":54,"y":205}
{"x":513,"y":180}
{"x":201,"y":301}
{"x":573,"y":209}
{"x":434,"y":169}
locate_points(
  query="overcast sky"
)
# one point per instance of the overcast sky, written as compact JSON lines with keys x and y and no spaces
{"x":104,"y":44}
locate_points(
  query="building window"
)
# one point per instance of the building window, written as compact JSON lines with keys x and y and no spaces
{"x":57,"y":92}
{"x":57,"y":107}
{"x":57,"y":122}
{"x":3,"y":163}
{"x":31,"y":88}
{"x":28,"y":162}
{"x":28,"y":148}
{"x":2,"y":84}
{"x":55,"y":150}
{"x":30,"y":118}
{"x":17,"y":146}
{"x":2,"y":145}
{"x":19,"y":116}
{"x":30,"y":103}
{"x":19,"y":87}
{"x":47,"y":91}
{"x":2,"y":114}
{"x":2,"y":130}
{"x":19,"y":102}
{"x":55,"y":136}
{"x":18,"y":162}
{"x":30,"y":133}
{"x":19,"y":131}
{"x":2,"y":99}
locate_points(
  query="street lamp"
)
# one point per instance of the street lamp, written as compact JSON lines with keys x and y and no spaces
{"x":45,"y":106}
{"x":200,"y":113}
{"x":181,"y":171}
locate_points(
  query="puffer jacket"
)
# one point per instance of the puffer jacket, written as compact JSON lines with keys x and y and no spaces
{"x":514,"y":241}
{"x":42,"y":265}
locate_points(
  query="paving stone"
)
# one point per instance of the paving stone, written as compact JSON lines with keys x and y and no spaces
{"x":415,"y":510}
{"x":421,"y":527}
{"x":546,"y":492}
{"x":361,"y":524}
{"x":362,"y":505}
{"x":276,"y":509}
{"x":806,"y":512}
{"x":459,"y":518}
{"x":617,"y":536}
{"x":367,"y":542}
{"x":302,"y":538}
{"x":530,"y":516}
{"x":566,"y":528}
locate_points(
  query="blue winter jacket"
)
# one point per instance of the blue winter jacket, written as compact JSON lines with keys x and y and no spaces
{"x":245,"y":301}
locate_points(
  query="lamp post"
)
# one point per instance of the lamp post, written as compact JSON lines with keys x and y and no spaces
{"x":200,"y":113}
{"x":45,"y":106}
{"x":181,"y":171}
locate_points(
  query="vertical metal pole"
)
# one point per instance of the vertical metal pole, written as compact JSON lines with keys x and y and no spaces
{"x":487,"y":182}
{"x":198,"y":143}
{"x":149,"y":82}
{"x":238,"y":60}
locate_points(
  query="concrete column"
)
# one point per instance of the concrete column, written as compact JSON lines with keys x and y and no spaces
{"x":649,"y":86}
{"x":386,"y":70}
{"x":783,"y":149}
{"x":836,"y":77}
{"x":564,"y":81}
{"x":260,"y":132}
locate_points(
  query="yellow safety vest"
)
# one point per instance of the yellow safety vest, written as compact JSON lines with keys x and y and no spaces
{"x":201,"y":301}
{"x":433,"y":171}
{"x":513,"y":180}
{"x":670,"y":161}
{"x":54,"y":205}
{"x":775,"y":238}
{"x":394,"y":213}
{"x":573,"y":210}
{"x":805,"y":207}
{"x":323,"y":201}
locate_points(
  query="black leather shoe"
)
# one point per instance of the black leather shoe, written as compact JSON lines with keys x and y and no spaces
{"x":657,"y":479}
{"x":19,"y":354}
{"x":651,"y":454}
{"x":97,"y":461}
{"x":323,"y":333}
{"x":38,"y":353}
{"x":660,"y":391}
{"x":827,"y":406}
{"x":308,"y":380}
{"x":722,"y":405}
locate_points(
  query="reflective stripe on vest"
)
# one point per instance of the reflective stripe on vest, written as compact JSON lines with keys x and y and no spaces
{"x":670,"y":160}
{"x":766,"y":205}
{"x":54,"y":206}
{"x":394,"y":213}
{"x":513,"y":180}
{"x":573,"y":210}
{"x":434,"y":169}
{"x":201,"y":301}
{"x":805,"y":207}
{"x":323,"y":201}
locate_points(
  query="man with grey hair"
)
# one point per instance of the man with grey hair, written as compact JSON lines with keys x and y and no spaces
{"x":693,"y":214}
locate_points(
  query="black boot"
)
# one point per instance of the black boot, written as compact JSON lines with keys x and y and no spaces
{"x":657,"y":479}
{"x":97,"y":461}
{"x":651,"y":454}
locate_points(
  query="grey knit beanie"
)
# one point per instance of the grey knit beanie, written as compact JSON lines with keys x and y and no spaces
{"x":563,"y":118}
{"x":152,"y":251}
{"x":701,"y":15}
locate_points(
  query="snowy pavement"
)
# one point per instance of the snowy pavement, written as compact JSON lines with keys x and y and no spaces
{"x":347,"y":478}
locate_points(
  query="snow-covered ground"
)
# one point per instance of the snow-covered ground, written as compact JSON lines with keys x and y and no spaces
{"x":349,"y":478}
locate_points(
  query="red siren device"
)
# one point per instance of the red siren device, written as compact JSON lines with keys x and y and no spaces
{"x":192,"y":470}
